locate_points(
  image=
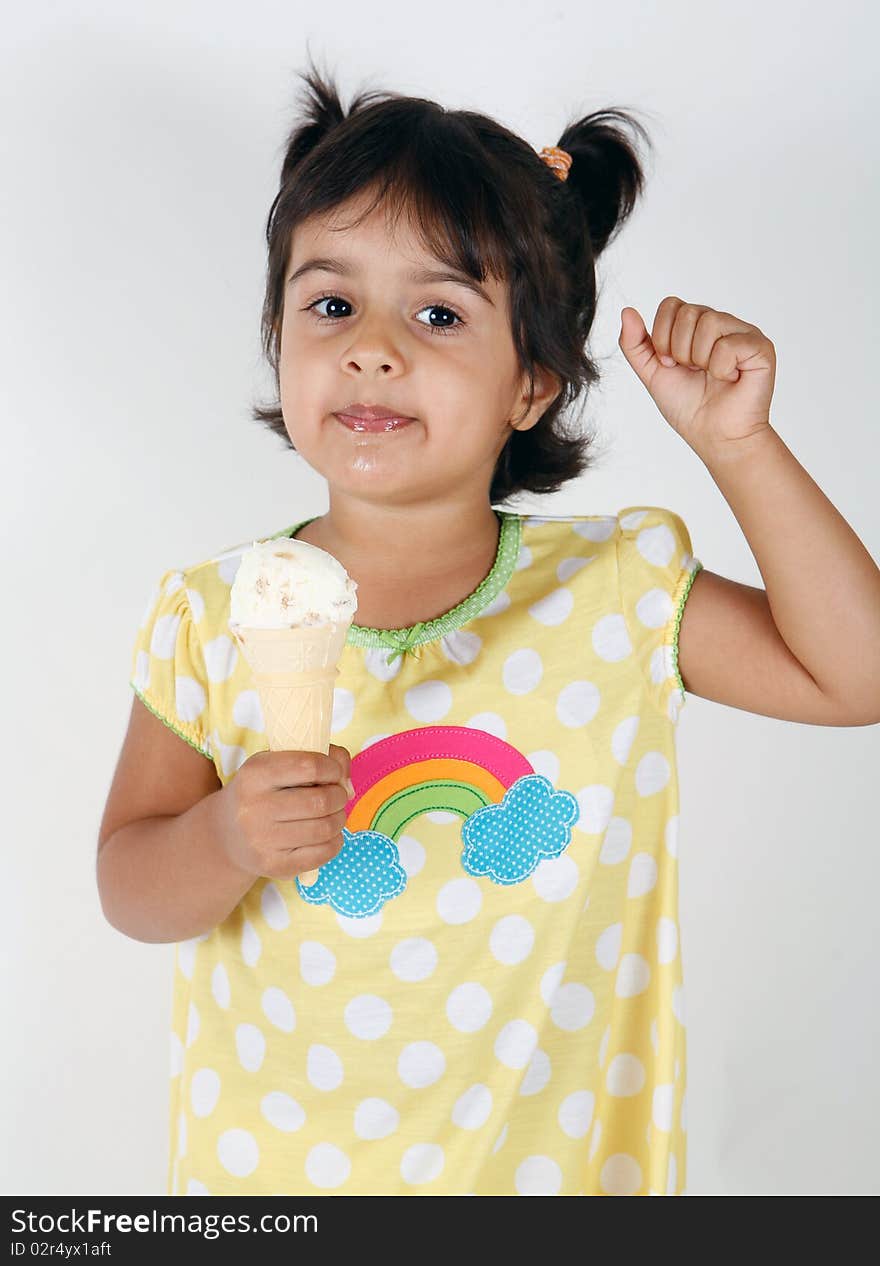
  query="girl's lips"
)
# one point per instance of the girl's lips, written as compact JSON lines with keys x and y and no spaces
{"x":372,"y":425}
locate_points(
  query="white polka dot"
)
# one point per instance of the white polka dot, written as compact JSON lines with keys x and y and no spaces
{"x":327,"y":1166}
{"x":221,"y":655}
{"x":678,"y":1007}
{"x":220,"y":987}
{"x":204,"y":1091}
{"x":625,"y":1075}
{"x":190,"y":699}
{"x":377,"y":738}
{"x":469,"y":1007}
{"x":538,"y":1176}
{"x":274,"y":908}
{"x":375,"y":1119}
{"x":421,"y":1064}
{"x":537,"y":1074}
{"x":317,"y":963}
{"x":186,"y":957}
{"x":251,"y":945}
{"x":515,"y":1044}
{"x":473,"y":1108}
{"x":555,"y":878}
{"x":642,"y":875}
{"x":661,"y":1108}
{"x":460,"y":646}
{"x":441,"y":816}
{"x":501,"y":1140}
{"x":491,"y":722}
{"x":511,"y":939}
{"x":251,"y":1047}
{"x":412,"y":854}
{"x":608,"y":946}
{"x":459,"y":901}
{"x":278,"y":1009}
{"x":633,"y":976}
{"x":238,"y":1152}
{"x":573,"y":1007}
{"x":654,"y":608}
{"x":421,"y":1163}
{"x":550,"y":982}
{"x":429,"y":701}
{"x":377,"y":665}
{"x":610,"y":639}
{"x":575,"y":1114}
{"x":667,"y":940}
{"x":577,"y":703}
{"x":596,"y":528}
{"x":655,"y":544}
{"x":569,"y":567}
{"x":343,"y":710}
{"x":164,"y":636}
{"x":523,"y":558}
{"x":323,"y":1067}
{"x":193,"y":1024}
{"x":546,"y":763}
{"x":522,"y":671}
{"x":175,"y":1055}
{"x":196,"y":1188}
{"x":368,"y":1017}
{"x":671,"y":836}
{"x":413,"y":959}
{"x":652,"y":773}
{"x":496,"y":606}
{"x":360,"y":928}
{"x":282,"y":1111}
{"x":595,"y":803}
{"x":247,"y":712}
{"x":621,"y":1175}
{"x":623,"y":737}
{"x":553,"y":608}
{"x":616,"y":842}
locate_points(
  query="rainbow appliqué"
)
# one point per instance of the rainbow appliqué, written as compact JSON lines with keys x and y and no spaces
{"x":513,"y":817}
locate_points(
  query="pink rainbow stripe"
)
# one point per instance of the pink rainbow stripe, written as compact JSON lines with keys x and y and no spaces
{"x":433,"y":742}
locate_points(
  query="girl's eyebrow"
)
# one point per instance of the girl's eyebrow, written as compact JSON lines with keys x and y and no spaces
{"x":421,"y":276}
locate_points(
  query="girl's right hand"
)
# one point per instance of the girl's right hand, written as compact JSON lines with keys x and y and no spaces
{"x":283,"y":812}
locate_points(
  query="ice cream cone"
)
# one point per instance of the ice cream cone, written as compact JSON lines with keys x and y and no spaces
{"x":294,"y":672}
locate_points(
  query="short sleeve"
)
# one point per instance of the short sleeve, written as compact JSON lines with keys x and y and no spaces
{"x":168,"y":665}
{"x":655,"y":568}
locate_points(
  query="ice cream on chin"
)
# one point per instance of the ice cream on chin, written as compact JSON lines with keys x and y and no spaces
{"x":290,"y":608}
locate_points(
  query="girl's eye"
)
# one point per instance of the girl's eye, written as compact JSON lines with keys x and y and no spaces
{"x":433,"y":329}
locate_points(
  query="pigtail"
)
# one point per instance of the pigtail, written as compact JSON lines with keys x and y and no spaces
{"x":606,"y":174}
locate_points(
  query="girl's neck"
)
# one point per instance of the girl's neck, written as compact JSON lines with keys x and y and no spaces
{"x":419,"y":543}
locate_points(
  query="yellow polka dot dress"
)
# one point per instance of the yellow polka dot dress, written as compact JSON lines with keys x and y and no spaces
{"x":482,"y":993}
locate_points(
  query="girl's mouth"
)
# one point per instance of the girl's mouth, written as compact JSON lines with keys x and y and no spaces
{"x":372,"y":426}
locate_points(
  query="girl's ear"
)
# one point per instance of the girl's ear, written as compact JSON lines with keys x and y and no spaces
{"x":547,"y":387}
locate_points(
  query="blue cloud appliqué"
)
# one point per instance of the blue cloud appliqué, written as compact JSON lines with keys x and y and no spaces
{"x":506,"y":841}
{"x":364,"y":874}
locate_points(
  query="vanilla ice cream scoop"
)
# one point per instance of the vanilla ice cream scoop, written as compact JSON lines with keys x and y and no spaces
{"x":284,"y":582}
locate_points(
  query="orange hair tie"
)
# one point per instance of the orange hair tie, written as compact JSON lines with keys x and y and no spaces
{"x":559,"y":160}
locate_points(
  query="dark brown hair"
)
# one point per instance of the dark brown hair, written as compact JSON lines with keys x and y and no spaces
{"x":481,"y":199}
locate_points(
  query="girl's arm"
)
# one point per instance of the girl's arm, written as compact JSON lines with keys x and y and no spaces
{"x":822,"y":585}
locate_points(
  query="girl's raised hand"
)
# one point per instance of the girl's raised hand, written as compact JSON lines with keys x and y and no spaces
{"x":716,"y":388}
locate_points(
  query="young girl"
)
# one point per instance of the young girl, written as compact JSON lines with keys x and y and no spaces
{"x":510,"y":1018}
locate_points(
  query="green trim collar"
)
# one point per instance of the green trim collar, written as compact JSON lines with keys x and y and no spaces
{"x":401,"y":641}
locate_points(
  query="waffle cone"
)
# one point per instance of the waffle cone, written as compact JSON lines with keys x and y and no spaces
{"x":294,"y":672}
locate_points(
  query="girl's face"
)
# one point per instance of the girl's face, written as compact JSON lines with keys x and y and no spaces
{"x":433,"y":350}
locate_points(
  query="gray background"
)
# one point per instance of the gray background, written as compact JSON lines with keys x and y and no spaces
{"x":138,"y":159}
